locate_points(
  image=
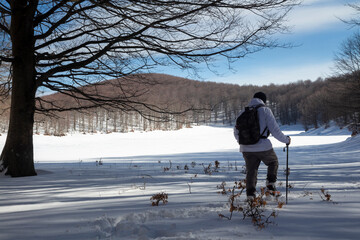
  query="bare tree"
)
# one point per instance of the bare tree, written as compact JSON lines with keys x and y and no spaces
{"x":347,"y":60}
{"x":62,"y":45}
{"x":354,"y":21}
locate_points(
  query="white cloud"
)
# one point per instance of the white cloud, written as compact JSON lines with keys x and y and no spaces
{"x":307,"y":2}
{"x":315,"y":15}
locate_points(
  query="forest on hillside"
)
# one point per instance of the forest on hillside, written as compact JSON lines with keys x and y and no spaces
{"x":183,"y":102}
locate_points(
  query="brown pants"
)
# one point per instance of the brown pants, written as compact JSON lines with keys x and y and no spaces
{"x":253,"y":160}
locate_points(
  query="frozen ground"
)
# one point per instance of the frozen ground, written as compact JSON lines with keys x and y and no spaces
{"x":74,"y":197}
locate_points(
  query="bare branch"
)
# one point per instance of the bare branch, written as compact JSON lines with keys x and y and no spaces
{"x":80,"y":44}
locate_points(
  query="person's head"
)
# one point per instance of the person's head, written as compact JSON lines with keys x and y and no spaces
{"x":261,"y":96}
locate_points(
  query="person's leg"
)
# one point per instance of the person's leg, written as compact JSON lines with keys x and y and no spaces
{"x":252,"y":164}
{"x":271,"y":161}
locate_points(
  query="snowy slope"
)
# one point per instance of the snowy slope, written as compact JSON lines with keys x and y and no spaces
{"x":73,"y":197}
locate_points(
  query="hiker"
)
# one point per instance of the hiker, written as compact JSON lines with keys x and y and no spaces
{"x":261,"y":151}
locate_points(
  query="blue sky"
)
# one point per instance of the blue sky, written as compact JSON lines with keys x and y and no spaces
{"x":318,"y":34}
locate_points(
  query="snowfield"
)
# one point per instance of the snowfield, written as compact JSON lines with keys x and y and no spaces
{"x":99,"y":187}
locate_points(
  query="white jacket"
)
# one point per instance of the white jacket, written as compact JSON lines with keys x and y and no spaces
{"x":266,"y":118}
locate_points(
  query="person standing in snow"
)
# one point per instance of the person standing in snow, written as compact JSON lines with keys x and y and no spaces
{"x":262,"y":151}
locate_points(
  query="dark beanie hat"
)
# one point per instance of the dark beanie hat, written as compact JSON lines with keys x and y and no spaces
{"x":261,"y":96}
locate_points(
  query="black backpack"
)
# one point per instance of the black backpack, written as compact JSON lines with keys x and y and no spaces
{"x":249,"y":127}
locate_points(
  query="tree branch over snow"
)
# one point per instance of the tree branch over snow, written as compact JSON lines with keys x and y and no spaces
{"x":85,"y":39}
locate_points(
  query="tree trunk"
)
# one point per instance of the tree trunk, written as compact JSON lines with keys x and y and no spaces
{"x":17,"y":156}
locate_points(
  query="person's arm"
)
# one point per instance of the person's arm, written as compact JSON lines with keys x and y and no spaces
{"x":274,"y":127}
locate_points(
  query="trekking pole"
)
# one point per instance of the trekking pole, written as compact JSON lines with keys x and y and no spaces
{"x":287,"y":171}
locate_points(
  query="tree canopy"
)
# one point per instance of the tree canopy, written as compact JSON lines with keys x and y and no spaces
{"x":63,"y":45}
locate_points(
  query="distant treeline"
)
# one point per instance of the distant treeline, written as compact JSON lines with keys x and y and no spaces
{"x":183,"y":102}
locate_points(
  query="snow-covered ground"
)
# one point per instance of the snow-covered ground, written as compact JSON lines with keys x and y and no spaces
{"x":74,"y":197}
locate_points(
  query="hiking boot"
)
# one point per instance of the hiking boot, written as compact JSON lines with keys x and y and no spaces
{"x":271,"y":190}
{"x":250,"y":195}
{"x":271,"y":187}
